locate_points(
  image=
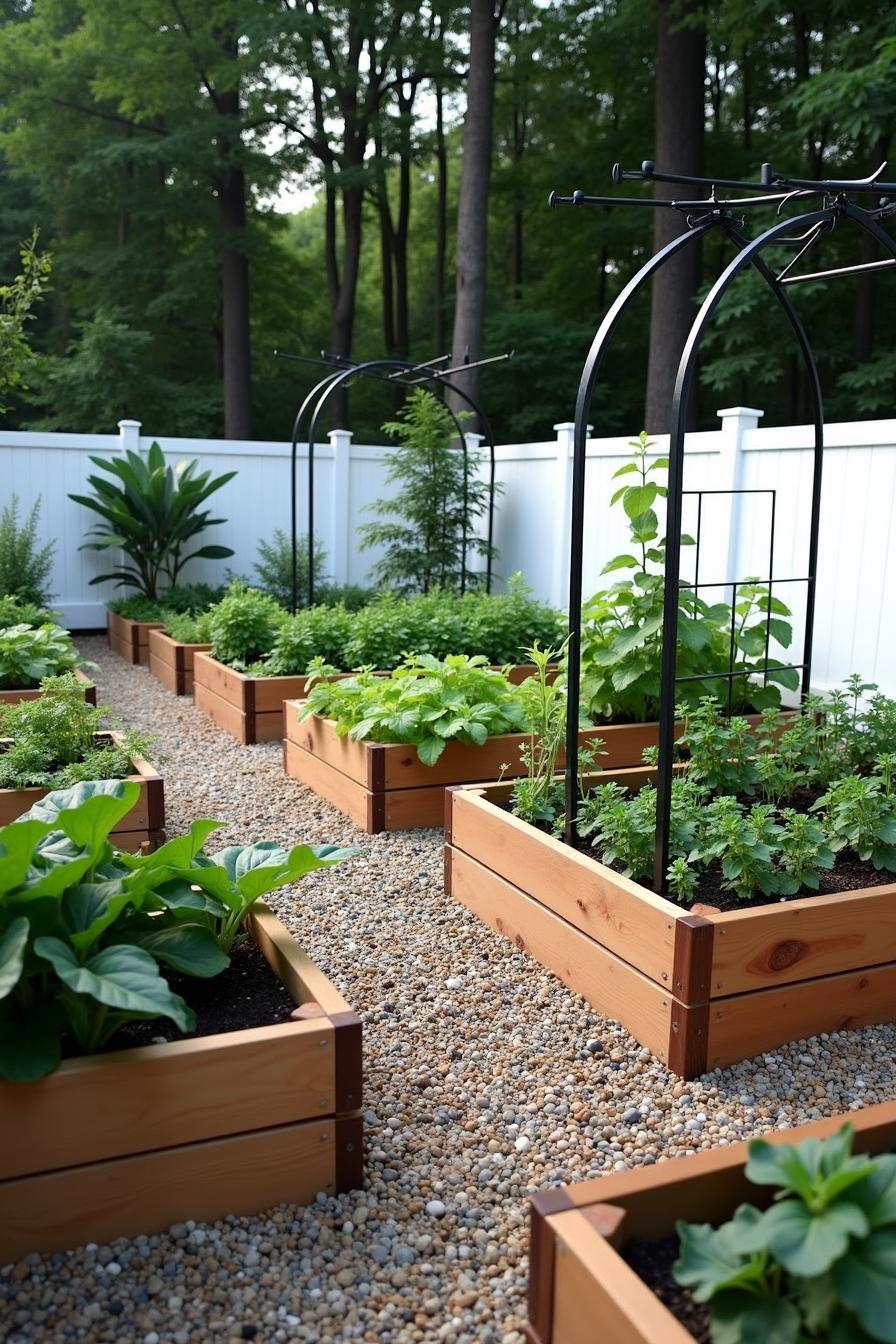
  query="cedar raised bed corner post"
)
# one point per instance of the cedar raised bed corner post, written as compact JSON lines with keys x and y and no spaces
{"x":700,"y":990}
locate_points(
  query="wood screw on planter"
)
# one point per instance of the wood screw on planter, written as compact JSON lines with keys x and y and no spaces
{"x":701,"y":991}
{"x":16,"y":697}
{"x":128,"y":1142}
{"x":171,"y":662}
{"x":384,"y":787}
{"x":130,"y":639}
{"x":577,"y":1277}
{"x":143,"y":825}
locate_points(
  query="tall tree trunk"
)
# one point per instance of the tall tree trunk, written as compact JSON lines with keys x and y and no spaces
{"x":236,"y":357}
{"x":235,"y":304}
{"x":402,"y":226}
{"x":472,"y":212}
{"x":387,"y":249}
{"x":342,"y":316}
{"x":678,"y":148}
{"x":863,"y":324}
{"x":441,"y":219}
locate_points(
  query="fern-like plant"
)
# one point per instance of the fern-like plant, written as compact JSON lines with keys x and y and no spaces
{"x":24,"y":565}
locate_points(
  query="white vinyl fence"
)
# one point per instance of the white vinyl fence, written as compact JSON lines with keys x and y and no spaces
{"x":856,"y":606}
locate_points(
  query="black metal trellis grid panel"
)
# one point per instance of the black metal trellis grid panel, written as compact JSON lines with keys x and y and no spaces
{"x":703,"y":214}
{"x":404,"y":373}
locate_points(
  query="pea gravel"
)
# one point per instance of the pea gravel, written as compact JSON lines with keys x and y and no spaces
{"x":485,"y":1079}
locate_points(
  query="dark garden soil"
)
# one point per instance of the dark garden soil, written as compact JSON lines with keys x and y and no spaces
{"x":652,"y":1261}
{"x":246,"y":994}
{"x":849,"y":873}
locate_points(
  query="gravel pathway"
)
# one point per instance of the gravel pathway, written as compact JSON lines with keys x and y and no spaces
{"x":485,"y":1079}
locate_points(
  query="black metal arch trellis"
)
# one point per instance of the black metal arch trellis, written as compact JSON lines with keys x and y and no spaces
{"x":415,"y":374}
{"x":702,"y":216}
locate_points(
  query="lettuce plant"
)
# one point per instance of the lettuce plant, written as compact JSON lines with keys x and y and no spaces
{"x":87,"y":933}
{"x":28,"y":653}
{"x":819,"y":1264}
{"x":426,"y":702}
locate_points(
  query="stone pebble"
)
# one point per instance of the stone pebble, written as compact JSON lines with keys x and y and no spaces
{"x":485,"y":1080}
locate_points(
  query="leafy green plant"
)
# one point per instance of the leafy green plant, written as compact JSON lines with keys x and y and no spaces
{"x":16,"y":301}
{"x":818,"y":1264}
{"x":274,"y":568}
{"x":86,"y":932}
{"x":860,"y":815}
{"x":56,"y":740}
{"x":422,"y":532}
{"x":187,"y":599}
{"x":219,"y":891}
{"x":17,"y":611}
{"x":538,"y":796}
{"x":244,"y":625}
{"x":24,"y":565}
{"x":322,"y":633}
{"x":426,"y":702}
{"x":28,"y":653}
{"x":151,"y":511}
{"x":189,"y":629}
{"x":500,"y":627}
{"x":622,"y":624}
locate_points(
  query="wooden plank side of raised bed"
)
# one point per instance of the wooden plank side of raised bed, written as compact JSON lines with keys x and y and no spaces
{"x":128,"y":1196}
{"x":16,"y":697}
{"x":797,"y":940}
{"x":610,"y":985}
{"x":747,"y":1024}
{"x":161,"y":1096}
{"x":593,"y":1284}
{"x":351,"y":798}
{"x":618,"y":914}
{"x":223,"y":712}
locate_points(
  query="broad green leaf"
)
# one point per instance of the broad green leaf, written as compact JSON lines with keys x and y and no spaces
{"x":17,"y":845}
{"x":184,"y":897}
{"x":125,"y":978}
{"x":430,"y":749}
{"x":29,"y":1044}
{"x":695,"y":635}
{"x":782,"y":631}
{"x":620,"y":562}
{"x":88,"y":908}
{"x":626,"y":469}
{"x":807,"y":1243}
{"x":745,"y":1318}
{"x":180,"y":851}
{"x":186,"y":948}
{"x":12,"y":954}
{"x":115,"y":798}
{"x":639,"y":498}
{"x":866,"y":1280}
{"x":711,"y":1259}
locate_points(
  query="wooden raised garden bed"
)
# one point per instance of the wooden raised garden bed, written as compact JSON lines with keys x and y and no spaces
{"x":384,"y":787}
{"x":699,"y":990}
{"x":171,"y":662}
{"x":251,"y":708}
{"x":128,"y":1142}
{"x":130,"y":639}
{"x":581,"y":1288}
{"x":14,"y":697}
{"x":143,"y":825}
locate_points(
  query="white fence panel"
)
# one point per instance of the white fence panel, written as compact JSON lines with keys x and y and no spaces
{"x":857,"y":556}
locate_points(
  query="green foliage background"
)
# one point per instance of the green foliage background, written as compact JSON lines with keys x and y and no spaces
{"x":108,"y":145}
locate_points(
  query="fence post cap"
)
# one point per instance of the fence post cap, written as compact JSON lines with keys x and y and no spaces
{"x":129,"y":424}
{"x":740,"y":411}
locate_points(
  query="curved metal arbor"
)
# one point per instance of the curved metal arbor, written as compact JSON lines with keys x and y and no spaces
{"x":376,"y":368}
{"x":703,"y":215}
